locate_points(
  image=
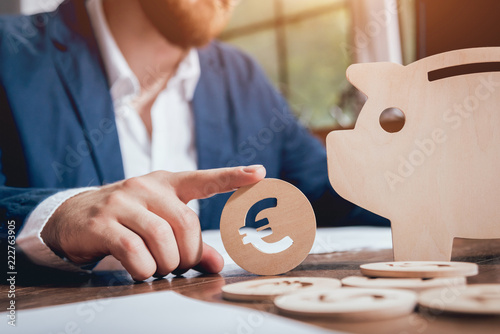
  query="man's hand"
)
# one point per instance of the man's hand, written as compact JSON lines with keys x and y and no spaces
{"x":144,"y":221}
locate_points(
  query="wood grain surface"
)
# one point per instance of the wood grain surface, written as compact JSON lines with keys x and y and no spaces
{"x":40,"y":288}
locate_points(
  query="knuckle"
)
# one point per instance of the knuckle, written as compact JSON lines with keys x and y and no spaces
{"x":162,"y":176}
{"x":188,"y":220}
{"x":135,"y":184}
{"x":161,"y":231}
{"x":93,"y":224}
{"x":116,"y":198}
{"x":131,"y":244}
{"x":211,"y":188}
{"x":98,"y":210}
{"x":160,"y":173}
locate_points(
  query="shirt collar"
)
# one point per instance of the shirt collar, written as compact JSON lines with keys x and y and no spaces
{"x":122,"y":81}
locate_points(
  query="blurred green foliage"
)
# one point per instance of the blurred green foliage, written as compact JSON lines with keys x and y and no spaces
{"x":316,"y":56}
{"x":314,"y":52}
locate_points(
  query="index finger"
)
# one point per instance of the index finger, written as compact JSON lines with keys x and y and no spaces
{"x":205,"y":183}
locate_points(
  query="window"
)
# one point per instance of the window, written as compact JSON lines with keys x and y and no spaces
{"x":302,"y":47}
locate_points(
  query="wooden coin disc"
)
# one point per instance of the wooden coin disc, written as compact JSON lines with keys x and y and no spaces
{"x":269,"y":288}
{"x":414,"y":284}
{"x":419,"y":269}
{"x":350,"y":304}
{"x":480,"y":299}
{"x":292,"y":220}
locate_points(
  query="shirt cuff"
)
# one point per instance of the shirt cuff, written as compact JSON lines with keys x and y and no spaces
{"x":30,"y":240}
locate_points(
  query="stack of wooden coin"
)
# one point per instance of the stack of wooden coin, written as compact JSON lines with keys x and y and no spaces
{"x":388,"y":290}
{"x":442,"y":286}
{"x":415,"y":275}
{"x":314,"y":296}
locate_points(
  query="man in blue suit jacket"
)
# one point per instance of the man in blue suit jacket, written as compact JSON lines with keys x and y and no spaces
{"x":58,"y":132}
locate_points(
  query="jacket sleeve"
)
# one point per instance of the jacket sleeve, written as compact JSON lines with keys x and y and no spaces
{"x":17,"y":199}
{"x":15,"y":206}
{"x":17,"y":203}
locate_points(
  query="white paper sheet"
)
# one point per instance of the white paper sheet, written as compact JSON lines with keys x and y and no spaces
{"x":159,"y":312}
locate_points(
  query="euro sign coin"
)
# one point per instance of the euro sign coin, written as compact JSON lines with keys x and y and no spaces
{"x":268,"y":228}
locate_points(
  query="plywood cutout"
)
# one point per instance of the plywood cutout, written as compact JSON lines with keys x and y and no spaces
{"x":437,"y":178}
{"x":269,"y":288}
{"x":285,"y":237}
{"x":414,"y":284}
{"x":483,"y":299}
{"x":348,"y":304}
{"x":419,"y":269}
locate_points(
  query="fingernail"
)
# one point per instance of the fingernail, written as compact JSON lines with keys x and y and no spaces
{"x":252,"y":169}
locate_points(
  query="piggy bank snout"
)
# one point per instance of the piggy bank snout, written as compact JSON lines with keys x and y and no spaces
{"x":344,"y":170}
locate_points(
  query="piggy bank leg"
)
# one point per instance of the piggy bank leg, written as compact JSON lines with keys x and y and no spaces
{"x":418,"y":243}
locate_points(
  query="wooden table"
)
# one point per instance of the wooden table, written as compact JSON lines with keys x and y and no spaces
{"x":35,"y":289}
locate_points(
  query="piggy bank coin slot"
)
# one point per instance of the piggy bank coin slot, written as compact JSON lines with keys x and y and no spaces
{"x":454,"y":71}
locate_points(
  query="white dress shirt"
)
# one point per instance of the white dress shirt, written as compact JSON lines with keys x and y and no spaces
{"x":171,"y":146}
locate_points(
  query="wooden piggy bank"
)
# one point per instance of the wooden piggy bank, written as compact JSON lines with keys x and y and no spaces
{"x":438,"y":177}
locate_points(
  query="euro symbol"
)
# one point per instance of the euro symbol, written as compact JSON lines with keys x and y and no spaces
{"x":256,"y":236}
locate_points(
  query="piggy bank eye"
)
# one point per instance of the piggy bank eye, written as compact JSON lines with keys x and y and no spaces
{"x":392,"y":120}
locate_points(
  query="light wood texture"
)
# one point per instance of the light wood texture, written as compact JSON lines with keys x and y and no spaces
{"x":437,"y":178}
{"x":269,"y":288}
{"x":419,"y":269}
{"x":293,"y":218}
{"x":414,"y":284}
{"x":38,"y":287}
{"x":348,"y":304}
{"x":473,"y":299}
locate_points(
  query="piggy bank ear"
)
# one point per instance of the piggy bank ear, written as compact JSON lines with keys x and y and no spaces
{"x":370,"y":77}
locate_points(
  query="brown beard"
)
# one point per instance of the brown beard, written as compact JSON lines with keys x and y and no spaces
{"x":186,"y":24}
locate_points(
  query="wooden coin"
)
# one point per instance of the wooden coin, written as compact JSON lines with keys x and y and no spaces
{"x":269,"y":288}
{"x":285,"y":237}
{"x":350,"y":304}
{"x":481,"y":299}
{"x":415,"y":284}
{"x":419,"y":269}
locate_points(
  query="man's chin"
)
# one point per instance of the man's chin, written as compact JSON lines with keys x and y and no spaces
{"x":188,"y":40}
{"x":185,"y":25}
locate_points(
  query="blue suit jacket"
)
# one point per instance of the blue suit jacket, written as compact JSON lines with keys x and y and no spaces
{"x":57,"y":125}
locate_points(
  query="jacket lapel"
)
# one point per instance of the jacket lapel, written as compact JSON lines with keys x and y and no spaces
{"x":80,"y":67}
{"x":212,"y":112}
